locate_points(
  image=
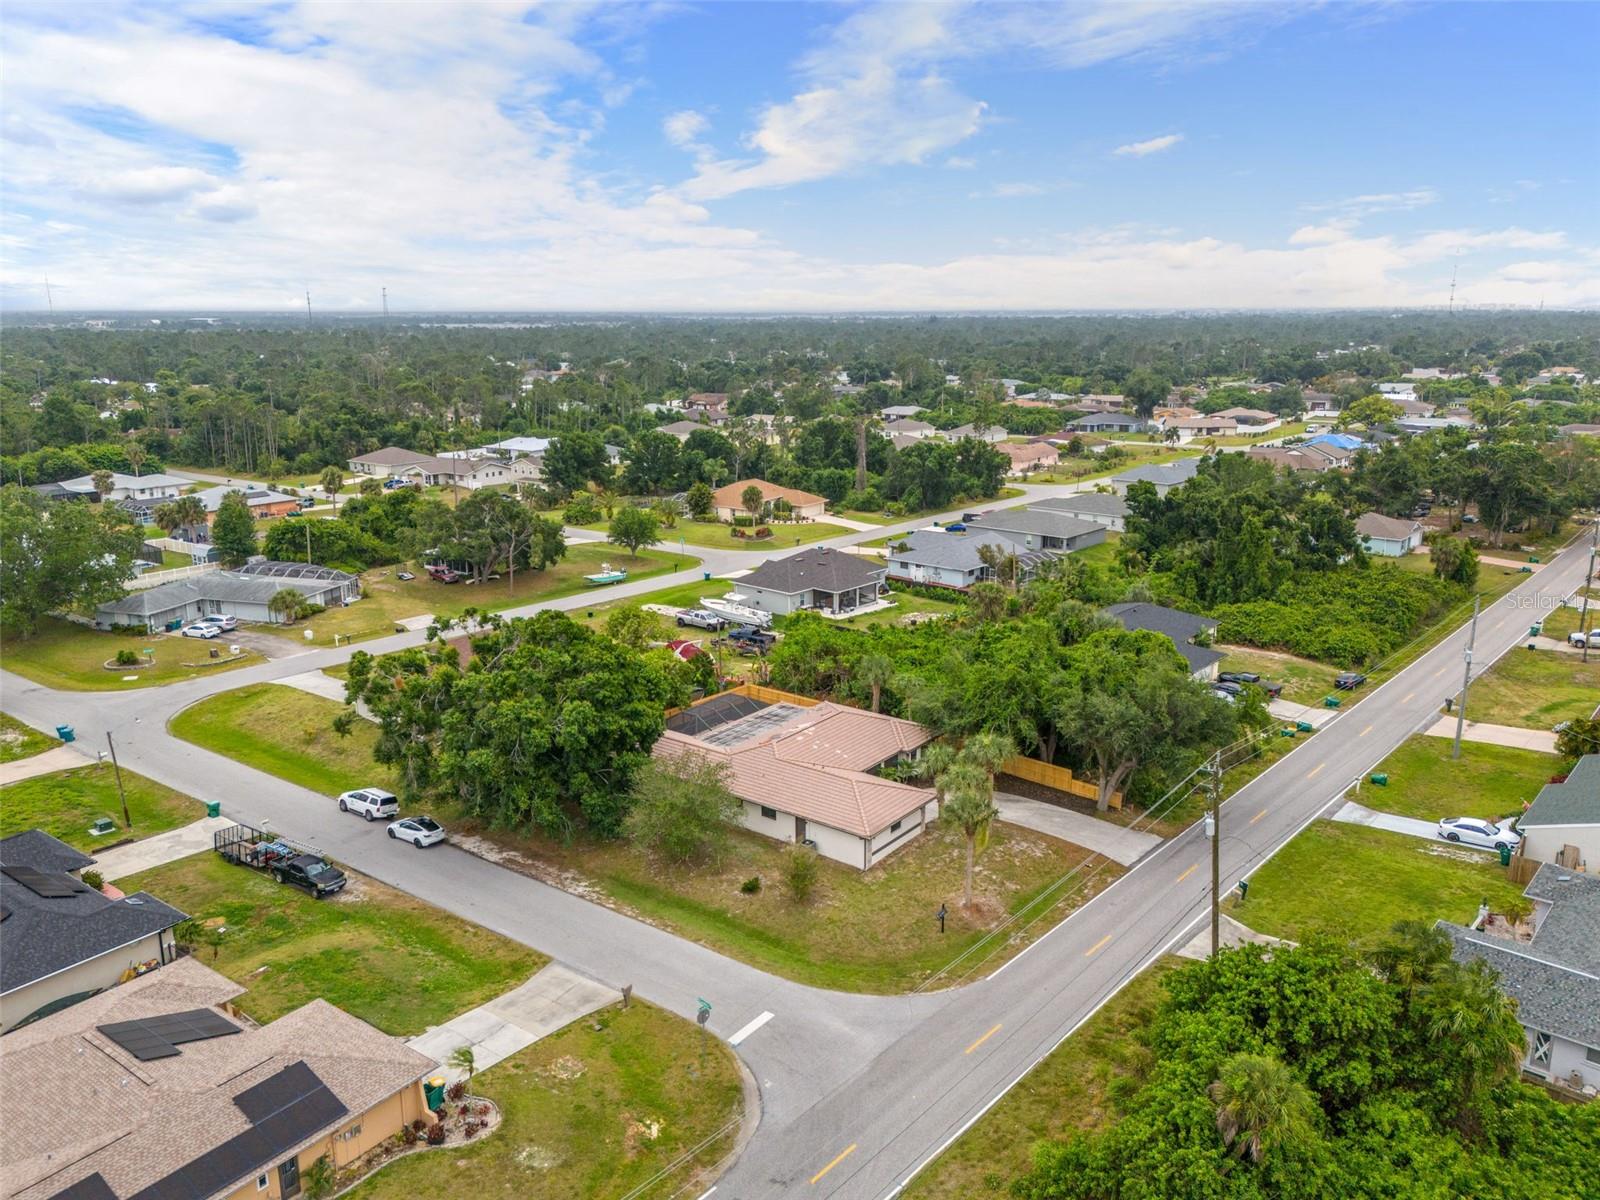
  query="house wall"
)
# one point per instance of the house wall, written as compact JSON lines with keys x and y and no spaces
{"x":1115,"y":524}
{"x":813,"y":512}
{"x":777,"y":603}
{"x":1544,"y":842}
{"x":93,"y":975}
{"x":838,"y":845}
{"x":950,"y":577}
{"x":780,"y":827}
{"x":887,"y":841}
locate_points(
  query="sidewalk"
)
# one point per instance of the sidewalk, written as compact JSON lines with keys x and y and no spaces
{"x":62,"y":758}
{"x":1116,"y":842}
{"x":1496,"y":735}
{"x":552,"y":999}
{"x":159,"y":850}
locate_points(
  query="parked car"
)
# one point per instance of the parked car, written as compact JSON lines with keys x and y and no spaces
{"x":223,"y":621}
{"x":1471,"y":831}
{"x":1272,"y":688}
{"x":419,"y":831}
{"x":201,"y":631}
{"x":370,"y":803}
{"x":701,"y":618}
{"x":307,"y":502}
{"x":749,"y":638}
{"x":1238,"y":677}
{"x":1227,"y":687}
{"x":1348,"y":681}
{"x":440,"y":573}
{"x":1222,"y":695}
{"x":390,"y":484}
{"x":1576,"y":638}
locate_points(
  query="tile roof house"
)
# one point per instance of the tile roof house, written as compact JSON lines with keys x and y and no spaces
{"x":990,"y":434}
{"x":61,"y":940}
{"x":1189,"y":428}
{"x":1304,"y":457}
{"x":1563,"y":822}
{"x":1033,"y":456}
{"x":1106,"y":422}
{"x":901,"y":410}
{"x":1165,"y":476}
{"x":830,"y":580}
{"x":936,"y":558}
{"x":1183,"y":628}
{"x":1388,"y":537}
{"x":804,"y":772}
{"x":244,"y":593}
{"x":1103,"y":508}
{"x":471,"y":473}
{"x":160,"y":1090}
{"x":682,"y":430}
{"x":1255,"y":418}
{"x":728,"y":501}
{"x":263,"y":502}
{"x":1554,"y":978}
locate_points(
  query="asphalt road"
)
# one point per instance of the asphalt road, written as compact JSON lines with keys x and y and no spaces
{"x":857,"y":1092}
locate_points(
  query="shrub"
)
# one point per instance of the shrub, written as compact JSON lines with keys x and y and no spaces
{"x":419,"y":1125}
{"x":456,"y":1090}
{"x":800,"y":871}
{"x":763,"y":532}
{"x":751,"y":886}
{"x":582,"y":509}
{"x":127,"y":658}
{"x":408,"y":1136}
{"x":94,"y":879}
{"x":436,"y":1134}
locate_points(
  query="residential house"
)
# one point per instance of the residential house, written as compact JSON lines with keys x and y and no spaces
{"x":1186,"y":630}
{"x":262,"y":502}
{"x":1388,"y":537}
{"x":1562,"y":825}
{"x":1433,"y":424}
{"x":1096,"y":402}
{"x":1398,"y":391}
{"x":728,"y":501}
{"x":58,"y":491}
{"x":160,"y":1090}
{"x":129,"y":487}
{"x":1251,"y":420}
{"x":706,"y":400}
{"x":1102,"y":508}
{"x":1347,"y":443}
{"x":1041,"y":529}
{"x":1189,"y":428}
{"x":901,"y":410}
{"x":1165,"y":476}
{"x":830,"y":580}
{"x":954,"y":559}
{"x":805,"y":773}
{"x":682,"y":430}
{"x":1554,"y":977}
{"x":244,"y":593}
{"x":907,"y":427}
{"x":380,"y":464}
{"x":990,"y":434}
{"x":1304,"y":457}
{"x":517,"y":447}
{"x":1106,"y":422}
{"x":1032,"y":456}
{"x":1410,"y":406}
{"x":903,"y":441}
{"x":1320,"y":403}
{"x":61,"y":941}
{"x":472,"y":474}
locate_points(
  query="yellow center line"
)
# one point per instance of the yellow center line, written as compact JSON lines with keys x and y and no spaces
{"x":1189,"y":872}
{"x":1438,"y":673}
{"x":981,"y":1040}
{"x":1316,"y":770}
{"x":1365,"y":731}
{"x":1407,"y":700}
{"x":843,"y":1154}
{"x":1258,"y":816}
{"x":1097,"y":945}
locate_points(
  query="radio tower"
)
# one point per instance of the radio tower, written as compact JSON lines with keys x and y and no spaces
{"x":1454,"y":267}
{"x":308,"y":308}
{"x":48,"y":299}
{"x":385,"y":306}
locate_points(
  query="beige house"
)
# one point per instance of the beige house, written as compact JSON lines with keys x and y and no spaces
{"x":160,"y":1088}
{"x":1032,"y":456}
{"x":728,"y":501}
{"x":471,"y":473}
{"x":381,"y":464}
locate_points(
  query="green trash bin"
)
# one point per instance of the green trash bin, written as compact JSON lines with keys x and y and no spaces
{"x":66,"y":733}
{"x":1331,"y":702}
{"x":213,"y":808}
{"x":1505,"y":856}
{"x":1303,"y":726}
{"x":433,"y":1091}
{"x":1380,"y":779}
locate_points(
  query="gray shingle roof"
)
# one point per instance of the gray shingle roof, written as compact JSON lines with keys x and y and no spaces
{"x":959,"y":551}
{"x":1550,"y":996}
{"x":1037,"y":522}
{"x":391,"y":456}
{"x":1178,"y":625}
{"x":226,"y":587}
{"x":1104,"y":503}
{"x":1162,"y":474}
{"x":1570,"y":931}
{"x":1575,"y":802}
{"x":822,"y":569}
{"x":40,"y":936}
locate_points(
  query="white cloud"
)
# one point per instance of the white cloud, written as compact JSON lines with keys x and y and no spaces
{"x":1009,"y":191}
{"x":1381,"y":202}
{"x":1153,"y":145}
{"x":685,"y":128}
{"x":153,"y":185}
{"x":957,"y":162}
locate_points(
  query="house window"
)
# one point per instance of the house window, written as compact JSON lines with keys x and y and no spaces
{"x":1592,"y":1055}
{"x":770,"y":814}
{"x":261,"y":1183}
{"x":895,"y":828}
{"x":1539,"y":1059}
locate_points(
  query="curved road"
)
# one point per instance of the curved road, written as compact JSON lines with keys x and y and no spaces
{"x":858,"y":1092}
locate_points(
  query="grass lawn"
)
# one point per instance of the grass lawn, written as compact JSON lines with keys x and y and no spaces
{"x":1536,"y":689}
{"x":717,"y":536}
{"x":1356,"y":882}
{"x":905,"y":605}
{"x":591,"y":1112}
{"x":376,"y":953}
{"x":876,"y":517}
{"x":66,"y":803}
{"x":1563,"y":621}
{"x":1073,"y":1090}
{"x":1293,"y":429}
{"x":1486,"y":781}
{"x":287,"y":733}
{"x":1305,"y":681}
{"x":1071,"y":470}
{"x":72,"y":657}
{"x":387,"y":599}
{"x":21,"y":741}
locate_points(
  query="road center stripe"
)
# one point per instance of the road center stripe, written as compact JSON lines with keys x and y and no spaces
{"x":843,"y":1154}
{"x":1365,"y":731}
{"x":1316,"y":770}
{"x":982,"y":1040}
{"x":749,"y":1029}
{"x":1258,"y":816}
{"x":1097,"y":945}
{"x":1189,"y":872}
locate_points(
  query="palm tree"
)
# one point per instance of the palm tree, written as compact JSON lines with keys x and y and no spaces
{"x":969,"y":803}
{"x":990,"y":751}
{"x":332,"y":479}
{"x":752,"y":501}
{"x":285,"y":603}
{"x":1469,"y":1019}
{"x":462,"y":1059}
{"x":166,"y":518}
{"x":104,"y":481}
{"x":1413,"y":955}
{"x":1260,"y":1104}
{"x":136,"y":455}
{"x":1002,"y":562}
{"x":875,"y":670}
{"x":190,"y":512}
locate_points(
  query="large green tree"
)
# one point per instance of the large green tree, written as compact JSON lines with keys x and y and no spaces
{"x":59,"y":556}
{"x":233,"y":530}
{"x":634,"y":529}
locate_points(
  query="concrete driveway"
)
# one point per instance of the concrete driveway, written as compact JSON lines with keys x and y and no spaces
{"x":1122,"y":845}
{"x":1359,"y":814}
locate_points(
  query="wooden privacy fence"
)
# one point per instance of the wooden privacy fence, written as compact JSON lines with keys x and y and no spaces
{"x":1031,"y":769}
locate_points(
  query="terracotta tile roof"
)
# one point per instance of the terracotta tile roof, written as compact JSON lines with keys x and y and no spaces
{"x":732,"y":495}
{"x":1032,"y":452}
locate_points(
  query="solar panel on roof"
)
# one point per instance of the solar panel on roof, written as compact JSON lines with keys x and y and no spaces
{"x":91,"y":1187}
{"x":277,"y":1092}
{"x":40,"y":883}
{"x":159,"y":1037}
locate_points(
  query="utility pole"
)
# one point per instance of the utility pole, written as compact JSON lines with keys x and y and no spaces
{"x":307,"y":521}
{"x":1214,"y":832}
{"x":126,"y":819}
{"x":1466,"y":656}
{"x":1588,"y":585}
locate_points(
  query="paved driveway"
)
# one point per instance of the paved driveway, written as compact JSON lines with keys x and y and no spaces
{"x":1359,"y":814}
{"x":1117,"y":843}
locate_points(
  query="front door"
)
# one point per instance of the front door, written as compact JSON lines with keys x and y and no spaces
{"x":799,"y":830}
{"x":289,"y":1178}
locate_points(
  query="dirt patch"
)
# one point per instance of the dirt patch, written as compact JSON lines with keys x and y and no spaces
{"x":538,"y":1158}
{"x":638,"y":1133}
{"x":557,"y":877}
{"x":1466,"y":856}
{"x":354,"y":892}
{"x":566,"y":1068}
{"x":11,"y":739}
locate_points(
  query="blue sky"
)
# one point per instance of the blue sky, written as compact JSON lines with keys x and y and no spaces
{"x":787,"y":156}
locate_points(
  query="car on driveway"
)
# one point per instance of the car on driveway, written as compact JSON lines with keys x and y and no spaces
{"x":1576,"y":638}
{"x":1348,"y":681}
{"x":1238,"y":677}
{"x":1471,"y":831}
{"x":419,"y":831}
{"x":1227,"y":687}
{"x":223,"y":621}
{"x":201,"y":631}
{"x":701,"y":618}
{"x":371,"y":803}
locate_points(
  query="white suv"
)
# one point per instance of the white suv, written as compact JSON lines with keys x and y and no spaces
{"x":371,"y":803}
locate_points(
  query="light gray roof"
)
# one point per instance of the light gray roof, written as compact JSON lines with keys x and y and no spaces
{"x":954,"y":551}
{"x":1575,"y":802}
{"x":1570,"y":931}
{"x":1162,"y":474}
{"x":902,"y":410}
{"x":390,"y":456}
{"x":970,"y":430}
{"x":1101,"y":420}
{"x":1037,"y":522}
{"x":1105,"y":503}
{"x":235,"y":587}
{"x":1394,"y":529}
{"x":821,"y":569}
{"x":1551,"y":996}
{"x":212,"y":497}
{"x":906,"y":425}
{"x":85,"y":483}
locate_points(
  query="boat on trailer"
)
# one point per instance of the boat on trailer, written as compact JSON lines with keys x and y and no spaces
{"x":732,"y":605}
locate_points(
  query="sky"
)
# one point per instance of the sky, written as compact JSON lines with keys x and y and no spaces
{"x":798,"y":157}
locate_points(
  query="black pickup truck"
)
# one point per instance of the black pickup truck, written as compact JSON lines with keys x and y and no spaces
{"x":298,"y":866}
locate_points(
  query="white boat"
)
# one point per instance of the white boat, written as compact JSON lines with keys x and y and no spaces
{"x":732,"y":605}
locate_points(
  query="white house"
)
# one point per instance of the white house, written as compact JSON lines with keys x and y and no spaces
{"x":1165,"y":476}
{"x":907,"y":427}
{"x":829,"y":580}
{"x":1563,"y":822}
{"x":1388,"y":537}
{"x":471,"y":474}
{"x":381,"y":464}
{"x":937,"y":558}
{"x":991,"y":434}
{"x":244,"y":593}
{"x":129,"y":487}
{"x":1102,"y":508}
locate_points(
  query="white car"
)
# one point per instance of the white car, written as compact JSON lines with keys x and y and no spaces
{"x":1576,"y":638}
{"x":224,"y":622}
{"x":419,"y":831}
{"x":370,"y":803}
{"x":201,"y":631}
{"x":1471,"y":831}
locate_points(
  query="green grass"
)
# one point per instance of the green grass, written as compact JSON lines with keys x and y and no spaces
{"x":1536,"y":689}
{"x":1486,"y":781}
{"x":287,"y":733}
{"x":717,"y":536}
{"x":66,"y":803}
{"x":387,"y":599}
{"x":1356,"y":882}
{"x":21,"y":741}
{"x":1074,"y":1089}
{"x":379,"y":954}
{"x":1305,"y":681}
{"x":579,"y":1110}
{"x":876,"y":517}
{"x":72,"y":657}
